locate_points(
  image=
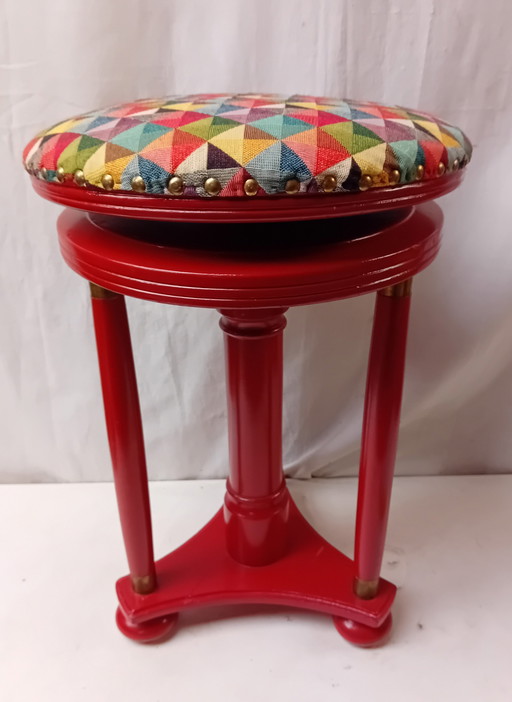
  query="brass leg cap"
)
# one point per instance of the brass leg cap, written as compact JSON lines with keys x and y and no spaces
{"x":399,"y":290}
{"x":143,"y":584}
{"x":366,"y":589}
{"x":100,"y":293}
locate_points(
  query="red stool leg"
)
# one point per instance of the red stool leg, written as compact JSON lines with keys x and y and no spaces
{"x":257,"y":502}
{"x":124,"y":428}
{"x":380,"y":435}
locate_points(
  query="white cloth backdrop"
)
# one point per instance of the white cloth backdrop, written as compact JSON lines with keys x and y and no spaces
{"x":58,"y":58}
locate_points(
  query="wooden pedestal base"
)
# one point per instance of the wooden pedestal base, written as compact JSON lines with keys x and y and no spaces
{"x":258,"y":549}
{"x":311,"y":574}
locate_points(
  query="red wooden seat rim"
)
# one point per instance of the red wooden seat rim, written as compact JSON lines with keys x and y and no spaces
{"x":196,"y":277}
{"x":246,"y":209}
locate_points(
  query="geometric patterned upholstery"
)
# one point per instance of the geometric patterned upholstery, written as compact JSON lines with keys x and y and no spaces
{"x":245,"y":145}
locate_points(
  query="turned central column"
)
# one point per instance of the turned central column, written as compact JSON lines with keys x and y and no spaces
{"x":256,"y":506}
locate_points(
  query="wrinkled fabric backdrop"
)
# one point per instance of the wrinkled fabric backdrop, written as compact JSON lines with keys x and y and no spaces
{"x":59,"y":58}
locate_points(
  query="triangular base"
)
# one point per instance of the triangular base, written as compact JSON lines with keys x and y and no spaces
{"x":311,"y":575}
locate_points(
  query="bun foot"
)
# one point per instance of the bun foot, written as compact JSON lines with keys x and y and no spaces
{"x":152,"y":631}
{"x":362,"y":635}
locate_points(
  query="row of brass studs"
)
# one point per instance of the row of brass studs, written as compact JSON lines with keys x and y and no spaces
{"x":366,"y":181}
{"x":212,"y":186}
{"x":175,"y":185}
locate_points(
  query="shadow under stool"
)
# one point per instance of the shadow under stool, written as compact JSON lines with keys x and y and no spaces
{"x":250,"y":253}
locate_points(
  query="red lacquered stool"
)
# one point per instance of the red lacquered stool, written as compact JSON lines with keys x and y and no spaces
{"x":196,"y":167}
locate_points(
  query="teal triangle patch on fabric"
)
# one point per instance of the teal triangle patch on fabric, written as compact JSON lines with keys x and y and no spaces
{"x":292,"y":166}
{"x":405,"y":154}
{"x":130,"y":138}
{"x":150,"y":133}
{"x":100,"y":122}
{"x":155,"y":178}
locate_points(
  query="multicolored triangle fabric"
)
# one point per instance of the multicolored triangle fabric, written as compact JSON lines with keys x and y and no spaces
{"x":240,"y":145}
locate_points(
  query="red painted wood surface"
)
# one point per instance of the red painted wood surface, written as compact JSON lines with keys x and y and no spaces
{"x":259,"y":548}
{"x":256,"y":506}
{"x":124,"y":428}
{"x":251,"y":266}
{"x":362,"y":635}
{"x":251,"y":209}
{"x":312,"y":575}
{"x":380,"y":431}
{"x":152,"y":631}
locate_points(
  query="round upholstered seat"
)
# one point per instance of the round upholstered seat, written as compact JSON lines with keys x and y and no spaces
{"x":246,"y":146}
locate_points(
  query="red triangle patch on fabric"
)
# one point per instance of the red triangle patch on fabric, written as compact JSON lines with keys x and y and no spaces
{"x":307,"y":152}
{"x":392,"y":113}
{"x":123,"y":110}
{"x":183,"y":144}
{"x":326,"y":141}
{"x":329,"y":118}
{"x":328,"y":157}
{"x":190,"y":117}
{"x":235,"y":186}
{"x":305,"y":115}
{"x":169,"y":119}
{"x":435,"y":152}
{"x":52,"y":149}
{"x":63,"y":141}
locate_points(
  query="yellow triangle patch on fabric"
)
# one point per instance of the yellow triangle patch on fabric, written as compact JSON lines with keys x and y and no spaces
{"x":68,"y":157}
{"x":231,"y":142}
{"x":185,"y":106}
{"x":431,"y":127}
{"x":254,"y":147}
{"x":449,"y":141}
{"x":371,"y":161}
{"x":94,"y":167}
{"x":64,"y":126}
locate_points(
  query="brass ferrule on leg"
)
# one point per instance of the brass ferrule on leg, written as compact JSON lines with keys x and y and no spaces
{"x":366,"y":589}
{"x":100,"y":293}
{"x":143,"y":584}
{"x":398,"y":290}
